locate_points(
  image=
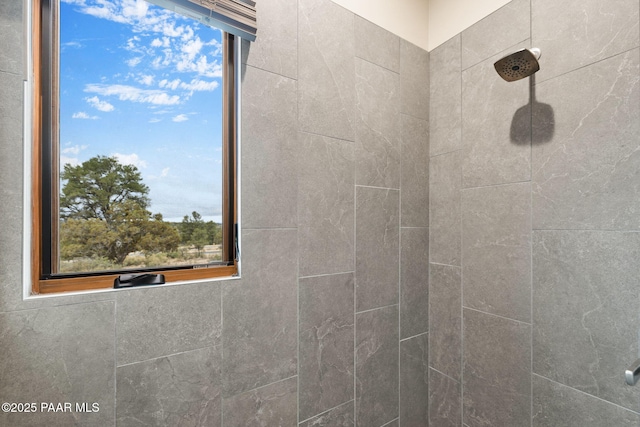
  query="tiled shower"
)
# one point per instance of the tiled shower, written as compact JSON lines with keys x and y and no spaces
{"x":424,"y":244}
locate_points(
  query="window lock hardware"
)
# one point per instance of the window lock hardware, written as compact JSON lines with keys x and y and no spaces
{"x":132,"y":280}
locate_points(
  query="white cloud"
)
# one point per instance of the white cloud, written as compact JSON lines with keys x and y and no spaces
{"x":130,"y":159}
{"x":192,"y":47}
{"x":146,"y":79}
{"x":156,"y":43}
{"x":166,"y":84}
{"x":165,"y":172}
{"x":134,"y":94}
{"x":73,"y":161}
{"x":154,"y":120}
{"x":76,"y":149}
{"x":180,"y":118}
{"x":96,"y":103}
{"x":83,"y":115}
{"x":133,"y":62}
{"x":199,"y":85}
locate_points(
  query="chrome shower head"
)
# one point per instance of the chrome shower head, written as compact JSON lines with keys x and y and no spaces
{"x":518,"y":65}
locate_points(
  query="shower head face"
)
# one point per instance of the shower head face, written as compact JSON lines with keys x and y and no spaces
{"x":518,"y":65}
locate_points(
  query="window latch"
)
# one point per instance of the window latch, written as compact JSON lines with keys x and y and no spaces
{"x":131,"y":280}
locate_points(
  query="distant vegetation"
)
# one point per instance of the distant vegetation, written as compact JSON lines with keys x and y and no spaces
{"x":105,"y":223}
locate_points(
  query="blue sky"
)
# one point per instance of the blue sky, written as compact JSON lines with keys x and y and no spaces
{"x":143,"y":84}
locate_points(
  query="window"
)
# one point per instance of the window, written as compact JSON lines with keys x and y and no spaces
{"x":134,"y":151}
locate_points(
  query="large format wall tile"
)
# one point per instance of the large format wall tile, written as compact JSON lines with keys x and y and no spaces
{"x":503,"y":28}
{"x":272,"y":405}
{"x":260,"y":329}
{"x":414,"y":80}
{"x":445,"y":99}
{"x":11,"y":173}
{"x":377,"y":366}
{"x":269,"y":140}
{"x":414,"y":381}
{"x":557,"y":405}
{"x":496,"y":127}
{"x":377,"y":247}
{"x":276,"y":46}
{"x":575,"y":33}
{"x":11,"y":50}
{"x":378,"y":134}
{"x":586,"y":177}
{"x":183,"y":389}
{"x":497,"y":371}
{"x":445,"y":397}
{"x":444,"y":199}
{"x":325,"y":205}
{"x":414,"y":281}
{"x":414,"y":180}
{"x":147,"y":325}
{"x":326,"y":78}
{"x":326,"y":343}
{"x":445,"y":319}
{"x":57,"y":355}
{"x":377,"y":45}
{"x":342,"y":416}
{"x":496,"y":248}
{"x":586,"y":313}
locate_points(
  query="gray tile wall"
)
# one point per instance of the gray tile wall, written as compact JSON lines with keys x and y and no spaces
{"x":534,"y":220}
{"x":328,"y":325}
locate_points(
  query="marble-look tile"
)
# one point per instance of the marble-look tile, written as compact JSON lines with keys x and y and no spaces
{"x":326,"y":343}
{"x":11,"y":50}
{"x":496,"y":248}
{"x":269,"y":141}
{"x":11,"y":174}
{"x":326,"y":77}
{"x":377,"y":247}
{"x":394,"y":423}
{"x":445,"y":319}
{"x":342,"y":416}
{"x":260,"y":327}
{"x":182,"y":389}
{"x":147,"y":325}
{"x":276,"y":46}
{"x":445,"y":98}
{"x":557,"y":405}
{"x":60,"y":354}
{"x":445,"y":214}
{"x":377,"y":45}
{"x":585,"y":315}
{"x":496,"y":127}
{"x":414,"y":281}
{"x":414,"y":381}
{"x":575,"y":33}
{"x":378,"y":136}
{"x":377,"y":358}
{"x":586,"y":177}
{"x":325,"y":205}
{"x":272,"y":405}
{"x":414,"y":180}
{"x":414,"y":80}
{"x":504,"y":27}
{"x":497,"y":371}
{"x":445,"y":397}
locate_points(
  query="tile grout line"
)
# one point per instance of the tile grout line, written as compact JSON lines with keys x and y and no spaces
{"x":459,"y":200}
{"x":326,"y":411}
{"x":585,"y":393}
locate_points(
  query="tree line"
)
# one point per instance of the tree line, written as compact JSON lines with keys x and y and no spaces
{"x":104,"y":214}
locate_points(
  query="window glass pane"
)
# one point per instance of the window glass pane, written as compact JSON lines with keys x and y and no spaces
{"x":140,"y":137}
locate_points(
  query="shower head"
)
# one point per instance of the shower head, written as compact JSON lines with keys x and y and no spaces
{"x":518,"y":65}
